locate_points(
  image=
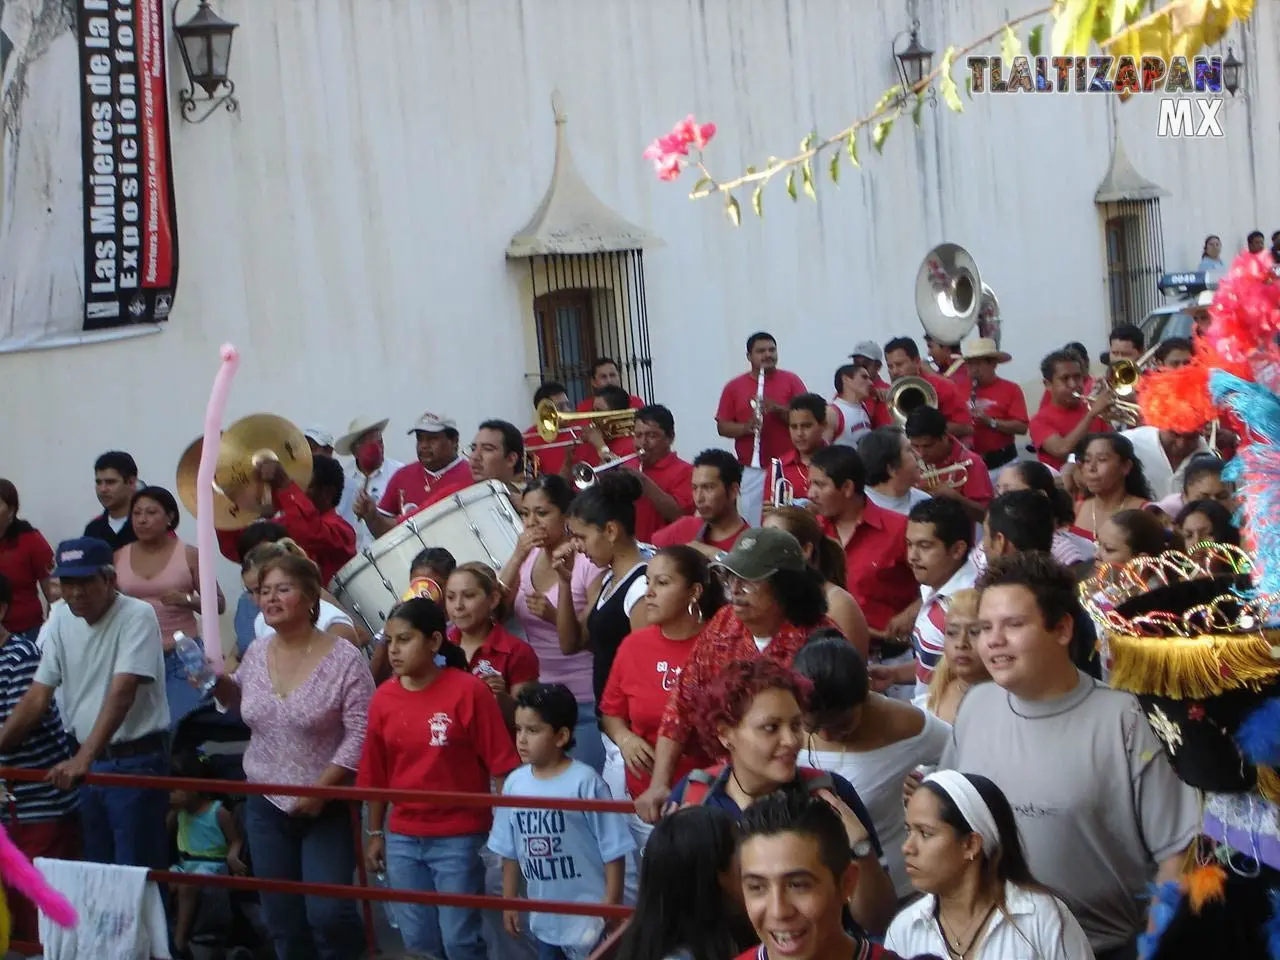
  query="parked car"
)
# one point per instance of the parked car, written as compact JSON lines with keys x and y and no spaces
{"x":1191,"y":294}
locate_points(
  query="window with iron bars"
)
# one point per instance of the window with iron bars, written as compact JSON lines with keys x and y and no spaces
{"x":1134,"y":239}
{"x":588,"y":306}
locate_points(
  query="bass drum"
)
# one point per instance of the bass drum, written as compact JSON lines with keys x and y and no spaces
{"x":477,"y":523}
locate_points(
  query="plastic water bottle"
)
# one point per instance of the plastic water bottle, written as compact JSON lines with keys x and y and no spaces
{"x":191,"y":653}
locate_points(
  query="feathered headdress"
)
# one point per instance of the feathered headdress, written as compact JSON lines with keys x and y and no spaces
{"x":19,"y":873}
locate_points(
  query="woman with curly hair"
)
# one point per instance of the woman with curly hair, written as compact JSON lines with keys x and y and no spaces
{"x":753,"y":720}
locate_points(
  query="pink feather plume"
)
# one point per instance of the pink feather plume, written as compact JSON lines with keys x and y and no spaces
{"x":21,"y":874}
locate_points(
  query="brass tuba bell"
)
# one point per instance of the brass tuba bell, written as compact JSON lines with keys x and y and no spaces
{"x":906,"y":394}
{"x":950,"y":294}
{"x":239,"y":496}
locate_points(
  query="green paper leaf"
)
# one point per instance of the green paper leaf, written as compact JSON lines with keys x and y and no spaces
{"x":1074,"y":27}
{"x":757,"y":200}
{"x":1010,"y":46}
{"x":950,"y":92}
{"x":806,"y":174}
{"x":733,"y":210}
{"x":852,"y":146}
{"x":887,"y":97}
{"x":807,"y":142}
{"x":1036,"y":41}
{"x":791,"y":184}
{"x":879,"y":133}
{"x":834,"y":169}
{"x":701,"y":185}
{"x":919,"y":109}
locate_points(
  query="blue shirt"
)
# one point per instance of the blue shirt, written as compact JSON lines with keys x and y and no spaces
{"x":562,"y":853}
{"x":718,"y":797}
{"x":246,"y":613}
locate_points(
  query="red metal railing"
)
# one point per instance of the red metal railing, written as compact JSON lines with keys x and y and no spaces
{"x":362,"y":892}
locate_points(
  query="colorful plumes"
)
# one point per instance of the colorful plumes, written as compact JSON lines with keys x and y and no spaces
{"x":1164,"y":905}
{"x":1206,"y":883}
{"x":1178,"y":399}
{"x":1245,"y":313}
{"x":1256,"y":472}
{"x":1259,"y":736}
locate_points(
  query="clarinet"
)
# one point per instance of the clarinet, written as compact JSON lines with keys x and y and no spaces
{"x":758,"y":406}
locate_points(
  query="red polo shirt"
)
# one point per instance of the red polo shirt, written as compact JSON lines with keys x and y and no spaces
{"x":780,"y":386}
{"x":876,"y":568}
{"x":502,"y":654}
{"x":586,"y":405}
{"x":326,"y":538}
{"x":1052,"y":420}
{"x":549,"y":461}
{"x":951,"y":403}
{"x":621,"y":446}
{"x":25,"y":560}
{"x":674,"y":477}
{"x":977,"y":485}
{"x":694,"y":530}
{"x":877,"y":410}
{"x":999,"y":400}
{"x":412,"y":485}
{"x":962,"y":381}
{"x":794,"y":472}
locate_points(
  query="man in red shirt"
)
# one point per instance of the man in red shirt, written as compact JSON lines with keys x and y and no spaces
{"x":309,"y":517}
{"x":1060,"y":425}
{"x":600,"y":443}
{"x":544,"y":457}
{"x":927,"y":430}
{"x":716,"y":524}
{"x":807,"y":424}
{"x":999,"y":407}
{"x":605,"y":373}
{"x":666,"y":481}
{"x":874,"y":541}
{"x":438,"y":467}
{"x":738,"y":420}
{"x":903,"y":357}
{"x":944,"y":357}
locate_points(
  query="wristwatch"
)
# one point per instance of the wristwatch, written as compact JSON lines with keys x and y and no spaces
{"x":862,"y":849}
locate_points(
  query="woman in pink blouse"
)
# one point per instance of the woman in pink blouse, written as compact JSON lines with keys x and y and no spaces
{"x":533,"y":591}
{"x":304,"y":694}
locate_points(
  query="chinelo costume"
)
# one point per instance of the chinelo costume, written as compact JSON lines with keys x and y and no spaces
{"x":1196,"y":637}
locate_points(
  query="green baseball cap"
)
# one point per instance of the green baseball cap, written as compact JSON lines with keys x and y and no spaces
{"x":761,"y":552}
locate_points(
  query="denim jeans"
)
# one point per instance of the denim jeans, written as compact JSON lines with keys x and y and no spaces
{"x":587,"y":745}
{"x":313,"y":850}
{"x":440,"y":865}
{"x":548,"y":951}
{"x":126,"y":825}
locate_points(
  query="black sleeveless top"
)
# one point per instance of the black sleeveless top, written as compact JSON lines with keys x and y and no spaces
{"x":607,"y":625}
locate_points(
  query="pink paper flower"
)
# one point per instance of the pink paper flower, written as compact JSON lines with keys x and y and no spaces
{"x":668,"y":153}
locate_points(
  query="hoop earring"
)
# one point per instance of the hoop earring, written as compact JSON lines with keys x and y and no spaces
{"x":695,"y":611}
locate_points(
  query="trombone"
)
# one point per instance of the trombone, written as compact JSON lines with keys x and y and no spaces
{"x":550,"y":421}
{"x":584,"y":475}
{"x":783,"y":491}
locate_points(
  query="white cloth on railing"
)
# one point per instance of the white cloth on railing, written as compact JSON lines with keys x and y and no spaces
{"x":121,"y":914}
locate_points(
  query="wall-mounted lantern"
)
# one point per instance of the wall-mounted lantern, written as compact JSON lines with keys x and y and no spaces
{"x":205,"y":40}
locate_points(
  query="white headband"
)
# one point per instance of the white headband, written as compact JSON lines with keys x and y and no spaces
{"x":971,"y":806}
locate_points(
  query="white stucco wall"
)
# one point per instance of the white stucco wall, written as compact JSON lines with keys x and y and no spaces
{"x":346,"y":229}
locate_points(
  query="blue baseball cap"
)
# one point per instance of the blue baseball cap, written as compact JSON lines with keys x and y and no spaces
{"x":83,"y":557}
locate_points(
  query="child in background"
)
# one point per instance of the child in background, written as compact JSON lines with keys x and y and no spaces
{"x":564,"y":855}
{"x":208,"y":840}
{"x":428,"y":574}
{"x":507,"y":664}
{"x":432,"y":728}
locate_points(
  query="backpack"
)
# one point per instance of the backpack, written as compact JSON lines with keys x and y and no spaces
{"x":699,"y":782}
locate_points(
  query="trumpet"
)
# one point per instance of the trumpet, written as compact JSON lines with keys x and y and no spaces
{"x":954,"y":476}
{"x":906,"y":394}
{"x":783,"y":491}
{"x":584,"y":475}
{"x":612,"y":423}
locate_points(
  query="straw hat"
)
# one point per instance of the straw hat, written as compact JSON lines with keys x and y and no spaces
{"x":984,"y":348}
{"x":358,"y":427}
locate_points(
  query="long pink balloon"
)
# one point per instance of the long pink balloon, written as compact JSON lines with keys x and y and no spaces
{"x":206,"y":536}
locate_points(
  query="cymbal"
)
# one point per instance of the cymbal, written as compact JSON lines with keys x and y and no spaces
{"x":244,"y":445}
{"x":226,"y":515}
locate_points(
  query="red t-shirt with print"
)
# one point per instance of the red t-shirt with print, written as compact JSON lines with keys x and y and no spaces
{"x":450,"y":736}
{"x":644,"y":672}
{"x":502,"y":654}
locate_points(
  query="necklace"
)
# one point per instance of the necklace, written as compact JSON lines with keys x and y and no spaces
{"x":273,"y":665}
{"x":954,"y":950}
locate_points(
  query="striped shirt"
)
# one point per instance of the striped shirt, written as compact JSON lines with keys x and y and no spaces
{"x":930,"y":632}
{"x":44,"y":746}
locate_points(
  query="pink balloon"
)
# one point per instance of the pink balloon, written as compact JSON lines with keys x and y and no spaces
{"x":206,"y":536}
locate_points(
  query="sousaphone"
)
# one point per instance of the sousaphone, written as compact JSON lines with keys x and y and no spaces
{"x":951,"y":297}
{"x":239,"y":496}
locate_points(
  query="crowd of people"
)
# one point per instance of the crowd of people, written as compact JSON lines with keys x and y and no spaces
{"x":862,"y":716}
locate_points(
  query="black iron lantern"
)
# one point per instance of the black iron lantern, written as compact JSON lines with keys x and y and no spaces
{"x":1231,"y":68}
{"x":205,"y":41}
{"x":915,"y":62}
